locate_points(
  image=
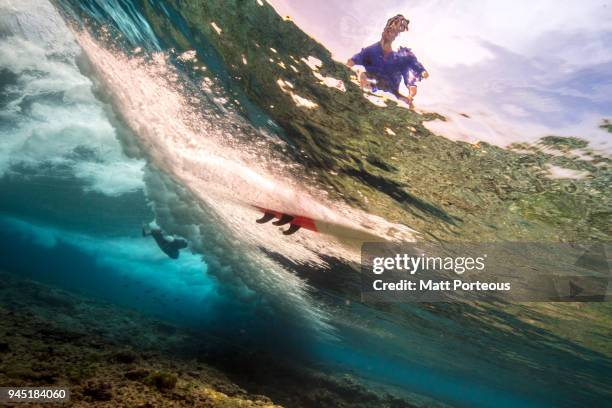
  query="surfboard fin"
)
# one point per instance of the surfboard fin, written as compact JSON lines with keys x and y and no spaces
{"x":292,"y":229}
{"x":266,"y":217}
{"x":285,"y":219}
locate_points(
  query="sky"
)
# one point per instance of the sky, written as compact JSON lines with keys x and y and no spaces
{"x":519,"y":69}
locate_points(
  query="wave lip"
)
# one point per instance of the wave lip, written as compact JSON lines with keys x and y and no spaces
{"x":196,"y":200}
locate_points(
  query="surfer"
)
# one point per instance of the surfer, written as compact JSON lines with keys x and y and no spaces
{"x":385,"y":68}
{"x":170,"y":246}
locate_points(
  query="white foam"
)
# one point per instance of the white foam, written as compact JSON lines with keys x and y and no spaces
{"x":114,"y":178}
{"x":556,"y":172}
{"x":188,"y":56}
{"x":314,"y":64}
{"x":54,"y":113}
{"x":330,"y":82}
{"x":300,"y":101}
{"x":216,"y":27}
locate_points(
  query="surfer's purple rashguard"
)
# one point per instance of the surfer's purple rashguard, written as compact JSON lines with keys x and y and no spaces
{"x":389,"y":70}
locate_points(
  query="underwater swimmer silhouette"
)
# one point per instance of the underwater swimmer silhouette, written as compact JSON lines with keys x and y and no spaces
{"x":170,"y":246}
{"x":385,"y":67}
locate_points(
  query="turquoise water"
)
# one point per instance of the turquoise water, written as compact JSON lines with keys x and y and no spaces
{"x":76,"y":188}
{"x":128,"y":270}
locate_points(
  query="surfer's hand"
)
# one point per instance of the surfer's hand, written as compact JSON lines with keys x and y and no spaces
{"x":425,"y":75}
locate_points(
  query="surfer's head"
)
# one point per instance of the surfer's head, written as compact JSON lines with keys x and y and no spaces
{"x":394,"y":26}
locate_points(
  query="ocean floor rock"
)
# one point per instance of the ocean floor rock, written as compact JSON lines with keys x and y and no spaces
{"x":66,"y":342}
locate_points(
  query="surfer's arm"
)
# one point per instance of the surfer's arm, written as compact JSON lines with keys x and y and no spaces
{"x":356,"y":59}
{"x":418,"y":70}
{"x":356,"y":64}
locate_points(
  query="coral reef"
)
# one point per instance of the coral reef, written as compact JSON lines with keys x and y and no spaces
{"x":112,"y":357}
